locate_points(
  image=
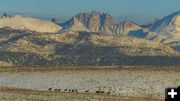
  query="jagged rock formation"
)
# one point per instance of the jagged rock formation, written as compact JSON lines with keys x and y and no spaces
{"x":27,"y":23}
{"x":103,"y":23}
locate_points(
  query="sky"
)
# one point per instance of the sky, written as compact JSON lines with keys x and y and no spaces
{"x":140,"y":10}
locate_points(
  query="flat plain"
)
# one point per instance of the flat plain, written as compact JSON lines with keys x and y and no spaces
{"x":123,"y":83}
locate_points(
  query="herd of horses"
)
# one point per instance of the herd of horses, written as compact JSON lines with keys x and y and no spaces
{"x":76,"y":91}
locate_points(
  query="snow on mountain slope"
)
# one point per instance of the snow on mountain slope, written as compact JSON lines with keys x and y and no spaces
{"x":168,"y":30}
{"x":168,"y":23}
{"x":27,"y":23}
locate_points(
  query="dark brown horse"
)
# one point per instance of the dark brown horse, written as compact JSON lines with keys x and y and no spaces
{"x":65,"y":90}
{"x":49,"y":88}
{"x":102,"y":92}
{"x":98,"y":92}
{"x":108,"y":93}
{"x":55,"y":89}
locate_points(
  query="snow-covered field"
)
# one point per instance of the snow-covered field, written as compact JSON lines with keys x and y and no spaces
{"x":124,"y":82}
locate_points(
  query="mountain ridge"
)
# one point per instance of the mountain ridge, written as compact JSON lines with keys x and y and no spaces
{"x":86,"y":39}
{"x":167,"y":30}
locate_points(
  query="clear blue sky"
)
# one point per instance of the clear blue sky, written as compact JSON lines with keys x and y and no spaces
{"x":117,"y":8}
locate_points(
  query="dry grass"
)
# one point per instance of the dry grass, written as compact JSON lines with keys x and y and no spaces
{"x":15,"y":94}
{"x":86,"y":68}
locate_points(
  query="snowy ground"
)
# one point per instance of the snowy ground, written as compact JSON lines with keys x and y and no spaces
{"x":124,"y":82}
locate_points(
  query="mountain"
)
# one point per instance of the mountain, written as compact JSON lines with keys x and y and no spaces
{"x":85,"y":39}
{"x":27,"y":23}
{"x":97,"y":22}
{"x":168,"y":30}
{"x":166,"y":22}
{"x":26,"y":48}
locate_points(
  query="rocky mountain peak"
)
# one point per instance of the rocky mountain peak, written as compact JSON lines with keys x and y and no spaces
{"x":103,"y":23}
{"x":94,"y":17}
{"x":94,"y":21}
{"x":95,"y":13}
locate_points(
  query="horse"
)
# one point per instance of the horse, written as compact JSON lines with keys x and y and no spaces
{"x":98,"y":92}
{"x":65,"y":90}
{"x":59,"y":90}
{"x":55,"y":89}
{"x":49,"y":88}
{"x":102,"y":92}
{"x":108,"y":93}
